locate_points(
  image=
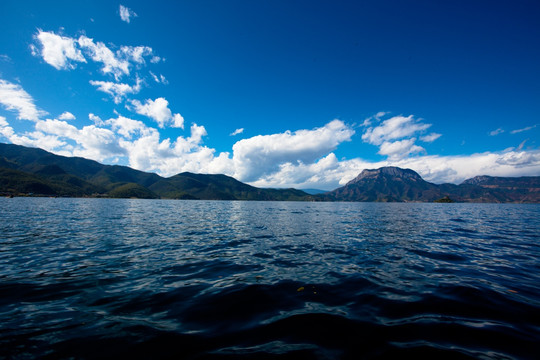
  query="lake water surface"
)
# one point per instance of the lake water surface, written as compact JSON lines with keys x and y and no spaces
{"x":97,"y":278}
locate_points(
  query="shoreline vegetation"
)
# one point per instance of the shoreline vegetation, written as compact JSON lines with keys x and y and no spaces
{"x":32,"y":172}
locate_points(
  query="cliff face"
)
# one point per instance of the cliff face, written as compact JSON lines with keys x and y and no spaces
{"x":389,"y":171}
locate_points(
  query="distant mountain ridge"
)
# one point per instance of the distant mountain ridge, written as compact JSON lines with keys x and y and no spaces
{"x":25,"y":171}
{"x":396,"y":184}
{"x":387,"y":184}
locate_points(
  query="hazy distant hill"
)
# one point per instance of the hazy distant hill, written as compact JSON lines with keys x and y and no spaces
{"x":26,"y":170}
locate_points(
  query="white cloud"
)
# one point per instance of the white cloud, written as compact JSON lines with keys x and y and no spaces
{"x":387,"y":135}
{"x":263,"y":155}
{"x":136,"y":53}
{"x":14,"y":98}
{"x":128,"y":127}
{"x":168,"y":158}
{"x":377,"y":117}
{"x":6,"y":58}
{"x":126,"y":14}
{"x":160,"y":80}
{"x":96,"y":119}
{"x":99,"y":52}
{"x":455,"y":169}
{"x":63,"y":52}
{"x":94,"y":142}
{"x":430,"y":138}
{"x":237,"y":131}
{"x":522,"y":130}
{"x":66,"y":115}
{"x":178,"y":121}
{"x":396,"y":127}
{"x":496,"y":132}
{"x":159,"y":111}
{"x":399,"y":149}
{"x":118,"y":91}
{"x":59,"y":51}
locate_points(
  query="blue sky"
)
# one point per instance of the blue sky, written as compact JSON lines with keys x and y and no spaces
{"x":299,"y":94}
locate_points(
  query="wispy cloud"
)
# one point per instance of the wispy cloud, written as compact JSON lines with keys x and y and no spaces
{"x":126,"y":14}
{"x":237,"y":131}
{"x":430,"y":138}
{"x":496,"y":132}
{"x":64,"y":52}
{"x":99,"y":52}
{"x":14,"y":98}
{"x":5,"y":58}
{"x":522,"y":130}
{"x":159,"y":79}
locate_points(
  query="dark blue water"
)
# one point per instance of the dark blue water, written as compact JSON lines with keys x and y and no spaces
{"x":98,"y":278}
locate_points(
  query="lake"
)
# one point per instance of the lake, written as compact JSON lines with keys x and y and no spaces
{"x":98,"y":278}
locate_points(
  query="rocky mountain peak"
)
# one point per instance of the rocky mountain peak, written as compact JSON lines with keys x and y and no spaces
{"x":390,"y":171}
{"x":477,"y":180}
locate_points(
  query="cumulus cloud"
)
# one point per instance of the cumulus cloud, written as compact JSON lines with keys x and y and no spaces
{"x":178,"y":121}
{"x":59,"y":51}
{"x":264,"y":154}
{"x":128,"y":127}
{"x":387,"y":135}
{"x":66,"y":115}
{"x":397,"y":149}
{"x":168,"y":158}
{"x":95,"y":142}
{"x":159,"y":111}
{"x":237,"y":131}
{"x":118,"y":91}
{"x":14,"y":98}
{"x":126,"y":14}
{"x":394,"y":128}
{"x":124,"y":138}
{"x":96,"y":119}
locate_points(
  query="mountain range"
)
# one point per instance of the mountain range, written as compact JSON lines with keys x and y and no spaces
{"x":31,"y":171}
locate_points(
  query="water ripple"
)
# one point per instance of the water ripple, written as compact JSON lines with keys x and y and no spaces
{"x":95,"y":278}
